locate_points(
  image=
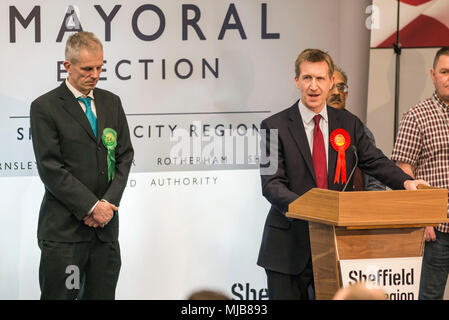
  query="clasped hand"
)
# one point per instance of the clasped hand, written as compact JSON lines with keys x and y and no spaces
{"x":101,"y":215}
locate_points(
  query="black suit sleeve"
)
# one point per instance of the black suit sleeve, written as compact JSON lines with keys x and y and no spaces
{"x":273,"y":173}
{"x":374,"y":163}
{"x":370,"y":183}
{"x":124,"y":154}
{"x":56,"y":178}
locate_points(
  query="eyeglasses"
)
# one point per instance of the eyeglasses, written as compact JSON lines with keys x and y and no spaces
{"x":341,"y":87}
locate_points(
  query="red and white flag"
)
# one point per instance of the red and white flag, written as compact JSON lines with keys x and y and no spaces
{"x":422,"y":23}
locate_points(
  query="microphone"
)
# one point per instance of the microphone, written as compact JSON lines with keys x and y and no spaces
{"x":354,"y":150}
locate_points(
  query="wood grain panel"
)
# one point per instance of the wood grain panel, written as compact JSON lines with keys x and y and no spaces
{"x":325,"y":267}
{"x":379,"y":243}
{"x":372,"y":208}
{"x":317,"y":205}
{"x":393,"y":207}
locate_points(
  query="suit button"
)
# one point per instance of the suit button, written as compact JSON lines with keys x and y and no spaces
{"x":102,"y":172}
{"x":98,"y":148}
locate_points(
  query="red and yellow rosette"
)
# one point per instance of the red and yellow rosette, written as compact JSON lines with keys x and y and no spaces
{"x":340,"y":141}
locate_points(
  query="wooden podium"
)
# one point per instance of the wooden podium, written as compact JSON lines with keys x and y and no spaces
{"x":365,"y":225}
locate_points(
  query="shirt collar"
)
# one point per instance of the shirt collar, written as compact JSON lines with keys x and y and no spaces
{"x":77,"y":93}
{"x":440,"y":102}
{"x":307,"y":114}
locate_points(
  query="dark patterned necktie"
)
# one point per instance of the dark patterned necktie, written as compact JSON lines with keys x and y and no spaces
{"x":319,"y":155}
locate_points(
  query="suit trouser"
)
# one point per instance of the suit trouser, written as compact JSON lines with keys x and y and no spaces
{"x":79,"y":270}
{"x":291,"y":287}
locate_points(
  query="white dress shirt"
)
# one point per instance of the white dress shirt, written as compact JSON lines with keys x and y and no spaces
{"x":78,"y":94}
{"x":309,"y":124}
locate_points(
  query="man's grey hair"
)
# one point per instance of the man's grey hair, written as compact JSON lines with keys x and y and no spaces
{"x":345,"y":77}
{"x":79,"y":40}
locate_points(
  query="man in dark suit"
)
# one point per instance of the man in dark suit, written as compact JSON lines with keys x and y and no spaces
{"x":83,"y":152}
{"x":305,"y":136}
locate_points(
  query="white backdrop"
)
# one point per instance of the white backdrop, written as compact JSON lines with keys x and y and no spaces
{"x":183,"y":225}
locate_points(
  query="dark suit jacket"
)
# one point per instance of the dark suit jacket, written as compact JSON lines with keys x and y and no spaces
{"x":285,"y":244}
{"x":371,"y":184}
{"x":72,"y":163}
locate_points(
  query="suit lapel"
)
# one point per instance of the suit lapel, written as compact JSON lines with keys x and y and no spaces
{"x":296,"y":128}
{"x":72,"y":106}
{"x":101,"y":110}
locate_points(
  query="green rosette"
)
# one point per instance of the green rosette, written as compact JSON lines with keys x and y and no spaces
{"x":109,"y":139}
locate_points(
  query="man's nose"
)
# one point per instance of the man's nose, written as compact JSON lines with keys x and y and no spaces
{"x":95,"y":73}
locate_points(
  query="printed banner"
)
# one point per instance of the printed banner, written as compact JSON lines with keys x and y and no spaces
{"x":398,"y":277}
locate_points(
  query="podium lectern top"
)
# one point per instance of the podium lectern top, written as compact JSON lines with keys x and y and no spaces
{"x":422,"y":207}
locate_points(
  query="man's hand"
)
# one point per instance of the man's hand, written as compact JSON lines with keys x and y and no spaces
{"x":103,"y":212}
{"x":412,"y":184}
{"x":90,"y":221}
{"x":429,"y":234}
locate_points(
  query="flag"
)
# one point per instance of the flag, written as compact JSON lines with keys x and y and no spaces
{"x":423,"y":23}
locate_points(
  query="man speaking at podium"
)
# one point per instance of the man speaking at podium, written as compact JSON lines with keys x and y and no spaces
{"x":315,"y":147}
{"x":83,"y":152}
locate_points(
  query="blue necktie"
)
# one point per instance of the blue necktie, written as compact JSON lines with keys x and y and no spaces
{"x":89,"y":114}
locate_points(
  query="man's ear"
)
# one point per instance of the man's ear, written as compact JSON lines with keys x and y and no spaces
{"x":332,"y":81}
{"x":297,"y":82}
{"x":432,"y":75}
{"x":67,"y":66}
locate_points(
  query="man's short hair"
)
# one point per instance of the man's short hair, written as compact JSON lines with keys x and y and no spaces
{"x":79,"y":40}
{"x":314,"y":55}
{"x":345,"y":77}
{"x":444,"y":51}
